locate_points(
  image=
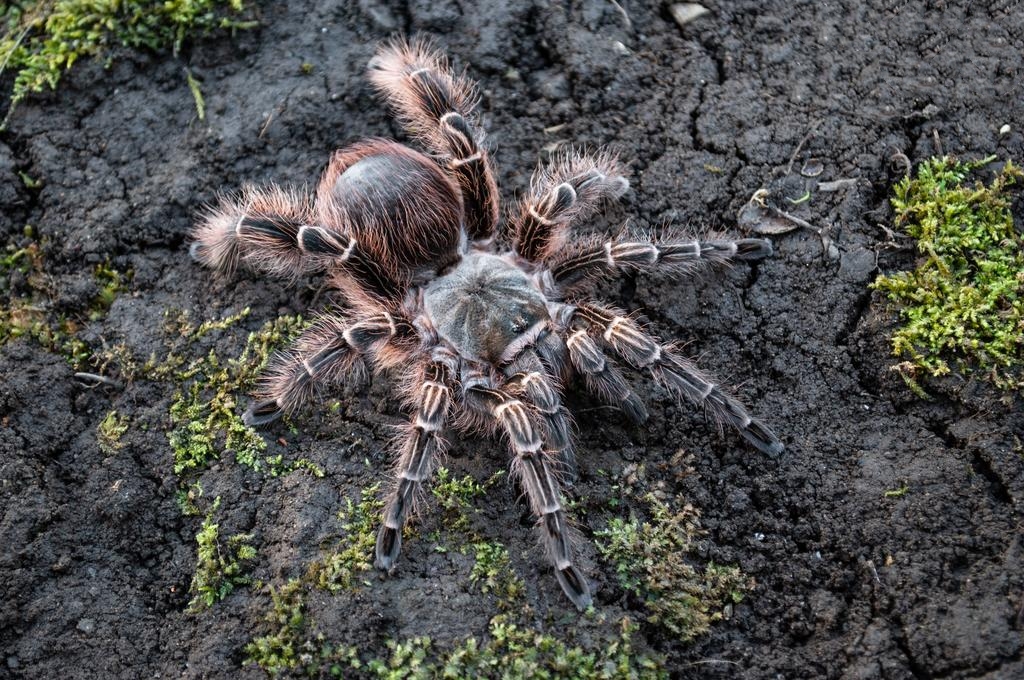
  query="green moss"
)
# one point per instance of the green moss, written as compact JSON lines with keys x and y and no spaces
{"x":27,"y":315}
{"x":285,"y":647}
{"x":279,"y":650}
{"x":197,"y":94}
{"x":651,"y":561}
{"x":455,"y":497}
{"x":205,"y":412}
{"x":292,"y":647}
{"x":43,"y":38}
{"x":510,"y":648}
{"x":60,"y":339}
{"x":110,"y":431}
{"x":27,"y":318}
{"x":492,"y":573}
{"x":351,"y":557}
{"x":964,"y":303}
{"x":21,"y":315}
{"x":219,"y":566}
{"x":898,"y":492}
{"x":514,"y":651}
{"x":110,"y":282}
{"x":26,"y":259}
{"x":276,"y":466}
{"x":188,"y":498}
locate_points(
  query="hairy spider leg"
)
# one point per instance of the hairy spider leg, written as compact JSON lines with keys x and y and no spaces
{"x":271,"y":230}
{"x":528,"y":379}
{"x":567,"y":189}
{"x":602,"y":377}
{"x":421,"y":444}
{"x":325,"y":354}
{"x":533,"y":469}
{"x":585,"y":260}
{"x":436,"y":106}
{"x":679,"y":375}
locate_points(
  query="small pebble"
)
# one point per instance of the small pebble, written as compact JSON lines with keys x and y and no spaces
{"x":1005,"y":130}
{"x":812,"y":168}
{"x":857,"y":264}
{"x":685,"y":12}
{"x":87,"y":626}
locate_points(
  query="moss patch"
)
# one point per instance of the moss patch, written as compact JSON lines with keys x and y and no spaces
{"x":26,"y":309}
{"x":341,"y":569}
{"x":516,"y":651}
{"x":964,"y":303}
{"x":455,"y":497}
{"x":651,"y":561}
{"x":220,"y":565}
{"x":110,"y":431}
{"x":510,"y":650}
{"x":205,"y":412}
{"x":291,"y":646}
{"x":43,"y":38}
{"x":492,"y":573}
{"x":110,"y":282}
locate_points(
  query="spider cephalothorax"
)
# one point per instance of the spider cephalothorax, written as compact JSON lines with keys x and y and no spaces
{"x":482,"y":327}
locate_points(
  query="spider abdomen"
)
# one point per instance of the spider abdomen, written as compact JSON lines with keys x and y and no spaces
{"x":396,"y":202}
{"x":486,"y":308}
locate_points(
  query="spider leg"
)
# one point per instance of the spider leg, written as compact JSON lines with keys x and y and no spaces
{"x":528,"y":379}
{"x":436,"y":107}
{"x":420,"y":448}
{"x":533,"y":468}
{"x":679,"y":375}
{"x":552,"y":350}
{"x":603,"y":377}
{"x":324,"y":354}
{"x":588,"y":260}
{"x":271,"y":230}
{"x":569,"y":188}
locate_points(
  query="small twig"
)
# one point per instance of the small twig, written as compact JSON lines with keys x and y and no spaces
{"x":97,"y":379}
{"x":266,"y":124}
{"x":14,"y":48}
{"x":280,"y":108}
{"x":826,"y":240}
{"x":709,"y":661}
{"x":874,"y":572}
{"x":836,"y":185}
{"x":625,"y":15}
{"x":891,"y":242}
{"x":793,"y":218}
{"x":796,"y":152}
{"x":937,"y":142}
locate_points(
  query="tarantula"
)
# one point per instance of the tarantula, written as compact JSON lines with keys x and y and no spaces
{"x":484,"y":328}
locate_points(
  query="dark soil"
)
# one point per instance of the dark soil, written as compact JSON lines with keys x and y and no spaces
{"x":97,"y":556}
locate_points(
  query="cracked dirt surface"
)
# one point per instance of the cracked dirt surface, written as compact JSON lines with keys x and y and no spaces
{"x":851,"y":582}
